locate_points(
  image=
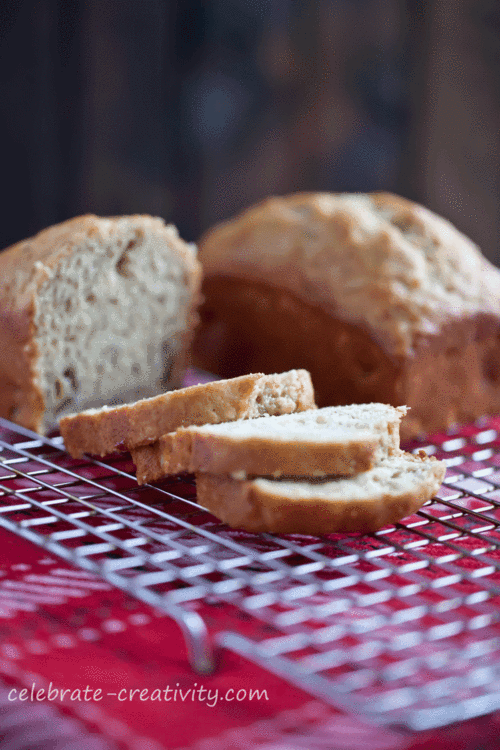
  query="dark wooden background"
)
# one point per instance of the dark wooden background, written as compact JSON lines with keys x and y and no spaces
{"x":193,"y":110}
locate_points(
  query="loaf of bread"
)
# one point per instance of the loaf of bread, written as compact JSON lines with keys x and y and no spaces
{"x":380,"y":299}
{"x":397,"y":486}
{"x":342,"y":440}
{"x":94,"y":311}
{"x":103,"y":431}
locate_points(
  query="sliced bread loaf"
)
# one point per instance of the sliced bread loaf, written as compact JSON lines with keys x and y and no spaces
{"x":94,"y":311}
{"x":335,"y":440}
{"x":396,"y":487}
{"x":102,"y":431}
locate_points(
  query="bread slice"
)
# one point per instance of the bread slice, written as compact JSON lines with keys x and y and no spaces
{"x":396,"y":487}
{"x":335,"y":440}
{"x":102,"y":431}
{"x":94,"y":311}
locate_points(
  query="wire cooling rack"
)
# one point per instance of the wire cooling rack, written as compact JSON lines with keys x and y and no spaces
{"x":401,"y":626}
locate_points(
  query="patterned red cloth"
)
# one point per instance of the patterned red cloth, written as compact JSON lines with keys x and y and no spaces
{"x":64,"y":628}
{"x":85,"y":665}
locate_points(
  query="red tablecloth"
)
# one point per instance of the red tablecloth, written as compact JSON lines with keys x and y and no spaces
{"x":64,"y":629}
{"x":102,"y":670}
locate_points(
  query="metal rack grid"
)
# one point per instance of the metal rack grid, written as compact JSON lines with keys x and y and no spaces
{"x":401,"y":626}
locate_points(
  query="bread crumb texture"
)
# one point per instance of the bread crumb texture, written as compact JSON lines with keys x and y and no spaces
{"x":112,"y":302}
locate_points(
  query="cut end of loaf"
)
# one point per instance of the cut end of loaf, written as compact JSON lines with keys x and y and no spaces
{"x":113,"y":317}
{"x":283,"y":393}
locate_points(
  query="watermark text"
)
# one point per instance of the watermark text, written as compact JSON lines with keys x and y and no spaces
{"x":165,"y":694}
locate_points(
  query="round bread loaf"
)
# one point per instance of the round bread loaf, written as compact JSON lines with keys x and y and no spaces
{"x":379,"y":298}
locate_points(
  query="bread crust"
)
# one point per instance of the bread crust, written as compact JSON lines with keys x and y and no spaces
{"x":254,"y":506}
{"x":243,"y":323}
{"x":21,"y":400}
{"x":380,"y":299}
{"x":275,"y":448}
{"x":451,"y":377}
{"x":376,"y":260}
{"x":25,"y":266}
{"x":147,"y":463}
{"x":103,"y":431}
{"x":185,"y":451}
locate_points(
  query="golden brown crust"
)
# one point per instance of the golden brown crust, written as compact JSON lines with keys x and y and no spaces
{"x":194,"y":452}
{"x":126,"y":427}
{"x":103,"y":431}
{"x":147,"y":462}
{"x":247,"y":325}
{"x":24,"y":267}
{"x":375,"y":260}
{"x":21,"y":400}
{"x":247,"y":505}
{"x":452,"y":376}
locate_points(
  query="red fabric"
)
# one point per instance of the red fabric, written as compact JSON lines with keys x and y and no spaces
{"x":64,"y":629}
{"x":80,"y":632}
